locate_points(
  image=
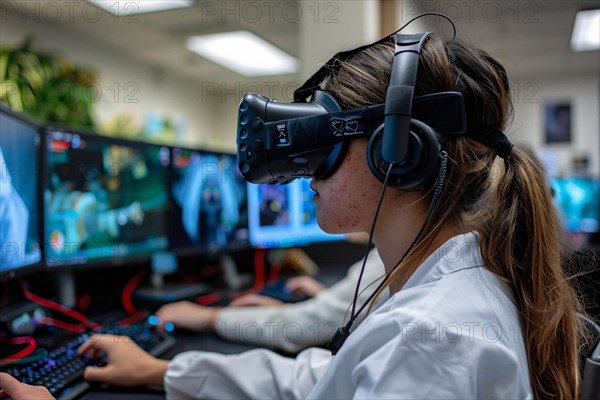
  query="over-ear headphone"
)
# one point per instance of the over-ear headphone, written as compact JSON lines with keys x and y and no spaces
{"x":413,"y":146}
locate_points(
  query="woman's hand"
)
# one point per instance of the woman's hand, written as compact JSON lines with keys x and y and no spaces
{"x":127,"y":364}
{"x":255,"y":300}
{"x":187,"y":315}
{"x":9,"y":386}
{"x":305,"y":285}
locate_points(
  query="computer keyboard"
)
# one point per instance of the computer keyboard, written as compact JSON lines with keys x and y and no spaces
{"x":62,"y":370}
{"x":278,"y":290}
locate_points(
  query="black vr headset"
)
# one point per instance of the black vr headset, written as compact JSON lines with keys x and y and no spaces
{"x":280,"y":142}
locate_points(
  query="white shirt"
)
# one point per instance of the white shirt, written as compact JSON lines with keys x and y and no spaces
{"x":451,"y":332}
{"x":294,"y":327}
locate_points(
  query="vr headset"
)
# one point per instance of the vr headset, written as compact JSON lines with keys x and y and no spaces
{"x":279,"y":142}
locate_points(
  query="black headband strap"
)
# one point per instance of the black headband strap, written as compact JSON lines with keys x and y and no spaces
{"x":333,"y":64}
{"x":490,"y":137}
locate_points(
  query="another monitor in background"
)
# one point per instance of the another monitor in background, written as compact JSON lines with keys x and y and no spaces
{"x":208,"y":217}
{"x":209,"y":202}
{"x":20,"y":248}
{"x":106,"y":200}
{"x":284,"y":216}
{"x":578,"y":200}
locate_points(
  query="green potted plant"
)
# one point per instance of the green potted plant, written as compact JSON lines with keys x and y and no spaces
{"x":45,"y":86}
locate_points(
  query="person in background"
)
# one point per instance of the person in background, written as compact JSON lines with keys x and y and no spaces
{"x":265,"y":321}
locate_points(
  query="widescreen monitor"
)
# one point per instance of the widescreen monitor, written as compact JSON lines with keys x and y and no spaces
{"x":578,"y":200}
{"x":20,"y":247}
{"x":106,"y":200}
{"x":209,"y":210}
{"x":284,"y":216}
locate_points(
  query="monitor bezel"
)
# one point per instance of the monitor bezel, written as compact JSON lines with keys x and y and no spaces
{"x":22,"y":271}
{"x":102,"y":262}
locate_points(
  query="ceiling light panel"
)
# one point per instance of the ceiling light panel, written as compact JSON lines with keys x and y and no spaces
{"x":244,"y":53}
{"x":586,"y":31}
{"x":133,"y":7}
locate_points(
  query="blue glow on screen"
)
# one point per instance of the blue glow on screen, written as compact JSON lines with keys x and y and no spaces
{"x":578,"y":201}
{"x":284,"y":216}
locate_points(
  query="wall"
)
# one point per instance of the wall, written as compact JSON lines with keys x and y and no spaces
{"x":583,"y":93}
{"x":126,"y":86}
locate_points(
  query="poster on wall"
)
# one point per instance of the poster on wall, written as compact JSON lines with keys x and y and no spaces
{"x":557,"y":122}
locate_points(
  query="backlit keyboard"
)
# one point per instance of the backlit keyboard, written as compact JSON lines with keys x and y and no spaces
{"x":62,"y":370}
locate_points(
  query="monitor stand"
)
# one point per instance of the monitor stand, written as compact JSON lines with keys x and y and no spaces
{"x":231,"y":276}
{"x":160,"y":292}
{"x":65,"y":283}
{"x":164,"y":263}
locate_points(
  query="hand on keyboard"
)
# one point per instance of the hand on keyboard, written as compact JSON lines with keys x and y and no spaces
{"x":62,"y":370}
{"x":126,"y":363}
{"x":255,"y":300}
{"x":292,"y":291}
{"x":187,"y":315}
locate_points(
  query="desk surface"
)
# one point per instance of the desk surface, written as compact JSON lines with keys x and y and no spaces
{"x":186,"y":341}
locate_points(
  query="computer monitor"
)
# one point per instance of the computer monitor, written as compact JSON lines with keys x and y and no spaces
{"x":20,"y":248}
{"x":209,"y":212}
{"x":578,"y":200}
{"x":284,"y":216}
{"x":106,"y":200}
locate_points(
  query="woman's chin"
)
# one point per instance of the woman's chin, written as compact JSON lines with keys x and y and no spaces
{"x":328,"y":227}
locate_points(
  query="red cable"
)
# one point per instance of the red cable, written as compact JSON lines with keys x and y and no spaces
{"x":208,"y":299}
{"x":84,"y":301}
{"x":28,"y":340}
{"x":259,"y":270}
{"x":128,"y":291}
{"x":274,"y":272}
{"x":61,"y":325}
{"x":259,"y":281}
{"x":140,"y":315}
{"x":54,"y":306}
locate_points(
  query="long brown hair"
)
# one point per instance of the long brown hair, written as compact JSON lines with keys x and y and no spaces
{"x":508,"y":202}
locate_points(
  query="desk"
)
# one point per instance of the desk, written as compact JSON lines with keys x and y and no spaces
{"x":186,"y":341}
{"x":105,"y":287}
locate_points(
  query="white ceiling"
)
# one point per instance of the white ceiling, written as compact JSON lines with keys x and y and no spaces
{"x":159,"y":38}
{"x":531,"y":37}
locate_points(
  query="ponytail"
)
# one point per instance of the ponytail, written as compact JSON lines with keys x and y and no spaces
{"x":521,"y":243}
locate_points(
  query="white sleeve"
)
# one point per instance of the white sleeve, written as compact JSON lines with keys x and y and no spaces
{"x":294,"y":327}
{"x":258,"y":374}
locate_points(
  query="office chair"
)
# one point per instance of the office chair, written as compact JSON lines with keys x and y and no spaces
{"x":590,"y":389}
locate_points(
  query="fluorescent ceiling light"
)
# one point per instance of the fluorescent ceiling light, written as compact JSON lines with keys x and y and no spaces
{"x":244,"y":53}
{"x":586,"y":31}
{"x":133,"y":7}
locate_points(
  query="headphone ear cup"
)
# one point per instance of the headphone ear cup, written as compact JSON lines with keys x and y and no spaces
{"x":374,"y":154}
{"x":423,"y":157}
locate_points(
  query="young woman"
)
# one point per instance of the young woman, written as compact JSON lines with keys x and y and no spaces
{"x":479,"y":308}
